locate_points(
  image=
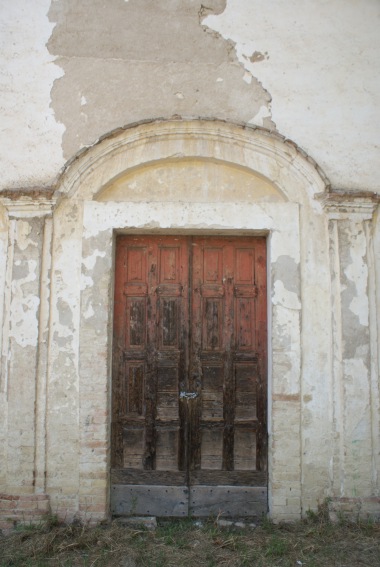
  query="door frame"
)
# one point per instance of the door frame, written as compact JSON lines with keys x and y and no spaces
{"x":281,"y":227}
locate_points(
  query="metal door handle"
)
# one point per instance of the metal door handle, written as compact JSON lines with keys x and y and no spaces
{"x":188,"y":395}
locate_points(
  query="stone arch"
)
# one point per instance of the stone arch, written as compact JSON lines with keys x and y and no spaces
{"x":265,"y":154}
{"x":86,"y":220}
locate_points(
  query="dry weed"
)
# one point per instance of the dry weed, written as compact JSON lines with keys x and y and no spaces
{"x":184,"y":543}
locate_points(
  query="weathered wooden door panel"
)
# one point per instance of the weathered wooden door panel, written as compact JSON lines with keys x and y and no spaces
{"x":149,"y":500}
{"x":150,"y":357}
{"x":228,"y":501}
{"x":227,"y":371}
{"x":189,"y":379}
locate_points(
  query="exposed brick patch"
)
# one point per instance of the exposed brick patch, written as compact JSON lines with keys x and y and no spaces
{"x":354,"y":508}
{"x":286,"y":397}
{"x":18,"y":509}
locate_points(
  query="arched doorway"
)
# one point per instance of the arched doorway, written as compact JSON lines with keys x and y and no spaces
{"x":195,"y":180}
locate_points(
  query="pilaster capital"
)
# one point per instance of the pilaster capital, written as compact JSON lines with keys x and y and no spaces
{"x":28,"y":203}
{"x":343,"y":205}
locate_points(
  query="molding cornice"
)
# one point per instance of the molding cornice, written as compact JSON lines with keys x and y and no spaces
{"x":28,"y":203}
{"x":340,"y":204}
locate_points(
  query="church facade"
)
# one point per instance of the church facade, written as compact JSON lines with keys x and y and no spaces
{"x":189,"y":242}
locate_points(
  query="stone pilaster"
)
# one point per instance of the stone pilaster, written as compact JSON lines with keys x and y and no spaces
{"x":355,"y":383}
{"x":25,"y":338}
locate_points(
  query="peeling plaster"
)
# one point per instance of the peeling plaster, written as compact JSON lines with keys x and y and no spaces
{"x":259,"y":118}
{"x":359,"y":306}
{"x":310,"y":61}
{"x":81,"y":325}
{"x":106,"y":216}
{"x":356,"y":375}
{"x":24,"y":308}
{"x":23,"y":230}
{"x":357,"y":273}
{"x":282,"y":296}
{"x":86,"y":281}
{"x":62,"y":341}
{"x":90,"y":261}
{"x":174,"y":66}
{"x":94,"y":265}
{"x":288,"y":271}
{"x":65,"y":314}
{"x":238,"y":60}
{"x":354,"y":288}
{"x":65,"y":282}
{"x":287,"y":247}
{"x":89,"y":312}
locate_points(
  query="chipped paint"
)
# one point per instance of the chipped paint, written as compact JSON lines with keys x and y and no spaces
{"x":282,"y":296}
{"x":24,"y":307}
{"x":90,"y":261}
{"x":357,"y":273}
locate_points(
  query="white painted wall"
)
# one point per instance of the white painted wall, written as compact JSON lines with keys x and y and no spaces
{"x":320,"y":65}
{"x":30,"y":137}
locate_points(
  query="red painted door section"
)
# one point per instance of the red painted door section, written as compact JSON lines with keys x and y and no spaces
{"x":189,"y":428}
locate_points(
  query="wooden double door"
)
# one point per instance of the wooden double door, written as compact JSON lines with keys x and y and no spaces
{"x":189,"y":427}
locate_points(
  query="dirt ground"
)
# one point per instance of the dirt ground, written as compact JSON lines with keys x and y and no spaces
{"x":315,"y":542}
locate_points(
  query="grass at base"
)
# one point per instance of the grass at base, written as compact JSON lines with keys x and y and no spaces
{"x":314,"y":542}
